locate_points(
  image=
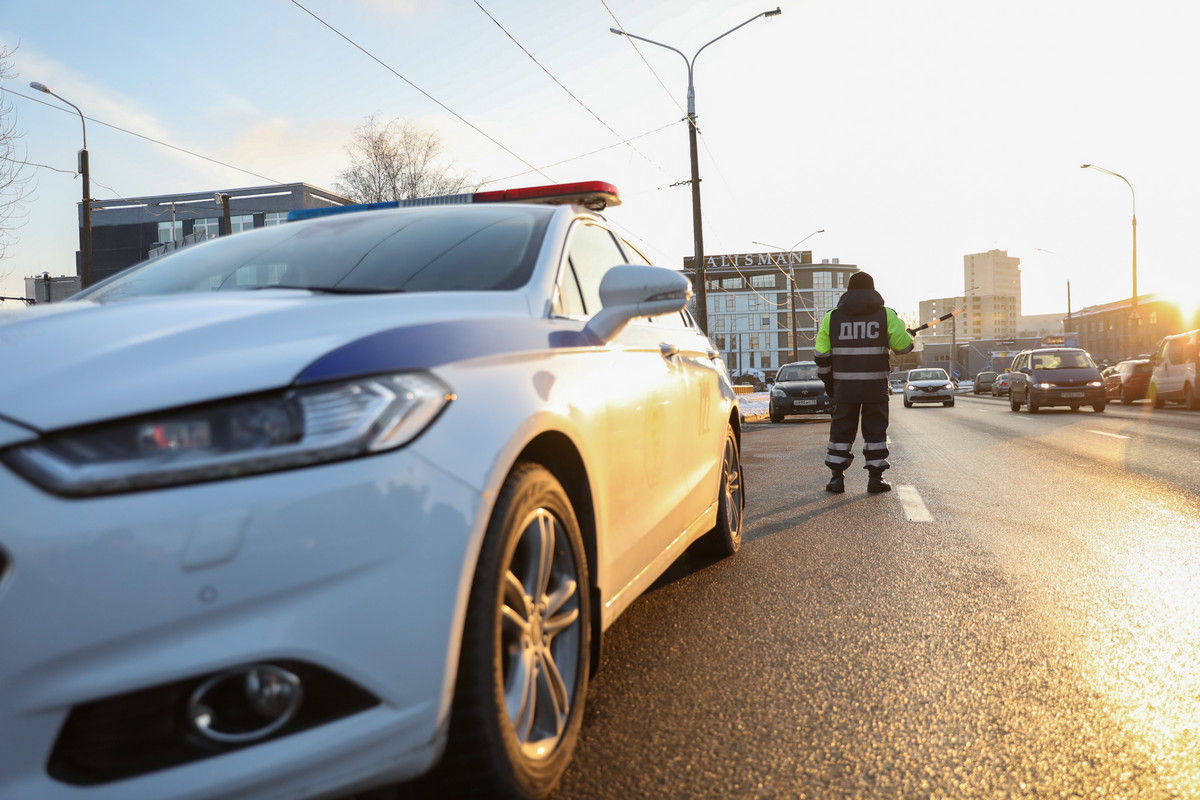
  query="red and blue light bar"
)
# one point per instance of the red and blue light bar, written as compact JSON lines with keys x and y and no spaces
{"x":595,"y":195}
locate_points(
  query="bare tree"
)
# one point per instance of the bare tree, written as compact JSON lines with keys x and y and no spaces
{"x":14,"y":179}
{"x":396,"y":160}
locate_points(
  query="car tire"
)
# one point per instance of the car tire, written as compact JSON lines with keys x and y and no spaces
{"x":725,"y":538}
{"x":1031,"y":407}
{"x":776,"y":417}
{"x":1013,"y":404}
{"x":1125,"y":397}
{"x":1152,"y":393}
{"x":1097,"y":407}
{"x":526,"y":638}
{"x":907,"y":403}
{"x":1190,"y":401}
{"x":948,"y":403}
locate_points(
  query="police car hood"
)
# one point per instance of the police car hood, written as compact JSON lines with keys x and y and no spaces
{"x":75,"y":363}
{"x":860,"y":301}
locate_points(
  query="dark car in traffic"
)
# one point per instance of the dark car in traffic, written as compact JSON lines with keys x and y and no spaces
{"x":798,"y":390}
{"x":1129,"y":380}
{"x":1055,"y":376}
{"x":983,"y":382}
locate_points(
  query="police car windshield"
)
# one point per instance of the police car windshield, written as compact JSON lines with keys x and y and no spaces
{"x":487,"y":247}
{"x":806,"y":372}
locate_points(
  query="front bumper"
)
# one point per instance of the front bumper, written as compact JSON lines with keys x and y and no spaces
{"x":792,"y":406}
{"x":939,"y":396}
{"x":357,"y":569}
{"x":1068,"y":396}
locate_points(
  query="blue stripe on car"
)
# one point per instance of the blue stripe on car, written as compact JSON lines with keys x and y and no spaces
{"x":434,"y":344}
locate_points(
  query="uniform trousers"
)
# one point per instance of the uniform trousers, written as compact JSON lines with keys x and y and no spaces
{"x":843,"y":428}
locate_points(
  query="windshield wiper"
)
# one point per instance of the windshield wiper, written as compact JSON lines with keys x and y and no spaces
{"x":330,"y":289}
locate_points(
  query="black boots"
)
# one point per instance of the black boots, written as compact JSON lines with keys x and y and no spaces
{"x":875,"y":482}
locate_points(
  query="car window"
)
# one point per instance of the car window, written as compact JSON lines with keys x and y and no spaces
{"x":592,"y":253}
{"x":1062,"y":360}
{"x":927,"y":375}
{"x":568,"y":297}
{"x":805,"y":372}
{"x":485,"y":247}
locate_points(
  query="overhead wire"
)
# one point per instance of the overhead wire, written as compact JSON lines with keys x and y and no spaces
{"x":42,"y":166}
{"x":572,"y":95}
{"x":147,"y":138}
{"x":449,"y":110}
{"x":583,"y":155}
{"x":637,"y":50}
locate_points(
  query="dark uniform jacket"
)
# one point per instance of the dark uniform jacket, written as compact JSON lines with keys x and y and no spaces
{"x":852,"y":347}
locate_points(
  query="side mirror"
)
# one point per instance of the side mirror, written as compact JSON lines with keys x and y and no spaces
{"x":1025,"y":370}
{"x":629,"y":291}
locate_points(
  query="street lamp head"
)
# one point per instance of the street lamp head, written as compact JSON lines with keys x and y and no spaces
{"x":41,"y":87}
{"x":617,"y":31}
{"x":1084,"y":166}
{"x":774,"y":13}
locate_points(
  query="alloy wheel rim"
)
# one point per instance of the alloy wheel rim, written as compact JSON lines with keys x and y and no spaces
{"x":540,"y":633}
{"x":733,"y":490}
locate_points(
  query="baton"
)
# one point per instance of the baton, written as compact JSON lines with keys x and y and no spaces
{"x":932,"y":322}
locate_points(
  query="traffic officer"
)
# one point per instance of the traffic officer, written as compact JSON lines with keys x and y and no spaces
{"x":852,"y":360}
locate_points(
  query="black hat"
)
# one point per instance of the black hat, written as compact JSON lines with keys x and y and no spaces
{"x":861,"y":280}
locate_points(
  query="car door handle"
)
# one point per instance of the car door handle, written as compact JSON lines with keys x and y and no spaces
{"x":668,"y":349}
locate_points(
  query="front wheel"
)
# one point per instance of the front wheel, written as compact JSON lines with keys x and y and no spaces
{"x":1098,"y":407}
{"x":776,"y":417}
{"x":725,"y":538}
{"x":1013,"y":403}
{"x":948,"y":403}
{"x":1189,"y":398}
{"x":907,"y":403}
{"x":523,"y":671}
{"x":1155,"y":400}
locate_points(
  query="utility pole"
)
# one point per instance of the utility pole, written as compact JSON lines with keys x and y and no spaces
{"x":227,"y":227}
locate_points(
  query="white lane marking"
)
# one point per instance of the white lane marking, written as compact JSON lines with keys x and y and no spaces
{"x":1113,"y":435}
{"x":913,"y":505}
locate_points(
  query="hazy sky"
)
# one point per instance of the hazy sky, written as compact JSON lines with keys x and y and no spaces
{"x":913,"y":133}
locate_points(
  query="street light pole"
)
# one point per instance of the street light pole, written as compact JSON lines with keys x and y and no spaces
{"x":697,"y":231}
{"x":1069,"y":324}
{"x":792,"y":293}
{"x":1135,"y":319}
{"x":84,"y":172}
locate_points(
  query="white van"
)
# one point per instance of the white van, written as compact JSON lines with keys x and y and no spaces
{"x":1174,"y":376}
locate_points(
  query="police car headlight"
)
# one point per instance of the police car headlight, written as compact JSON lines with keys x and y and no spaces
{"x":245,"y":436}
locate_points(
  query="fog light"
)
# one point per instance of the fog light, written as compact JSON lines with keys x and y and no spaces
{"x":245,"y":704}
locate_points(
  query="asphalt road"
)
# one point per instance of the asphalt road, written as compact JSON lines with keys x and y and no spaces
{"x":1020,"y":619}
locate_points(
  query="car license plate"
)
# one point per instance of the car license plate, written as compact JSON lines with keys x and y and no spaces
{"x":1072,"y":394}
{"x":810,"y":401}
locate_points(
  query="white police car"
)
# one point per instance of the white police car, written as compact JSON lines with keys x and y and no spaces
{"x":323,"y":506}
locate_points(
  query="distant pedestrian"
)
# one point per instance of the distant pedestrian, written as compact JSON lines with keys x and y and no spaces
{"x":852,"y":359}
